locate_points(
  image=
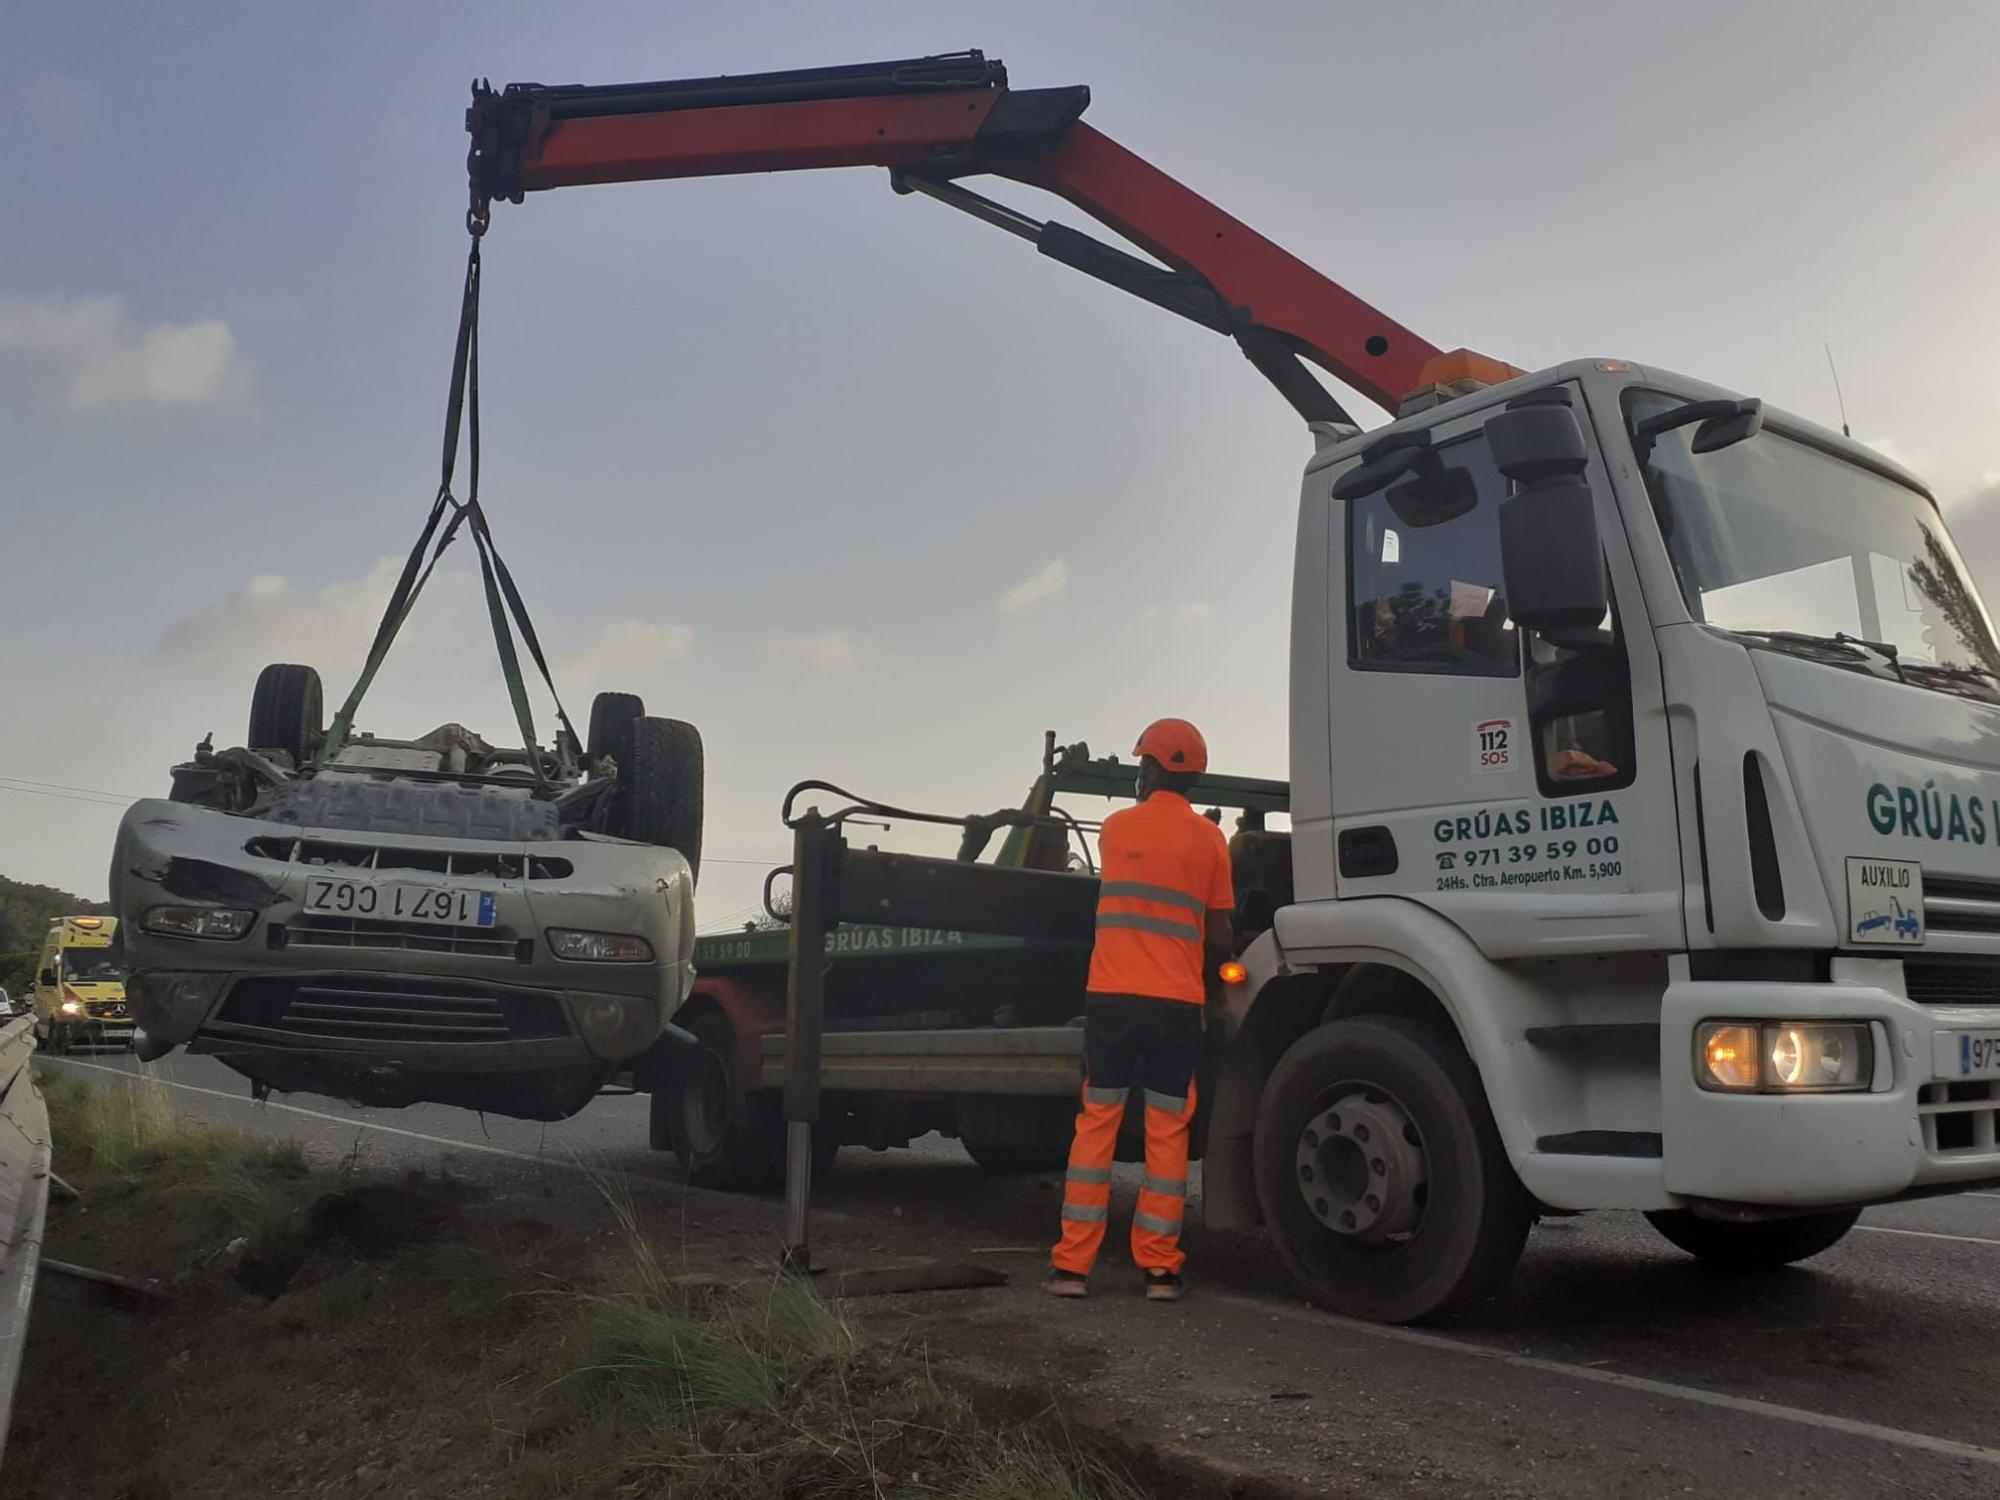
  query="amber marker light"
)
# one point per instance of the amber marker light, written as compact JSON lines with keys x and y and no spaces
{"x":1729,"y":1057}
{"x":1233,"y":972}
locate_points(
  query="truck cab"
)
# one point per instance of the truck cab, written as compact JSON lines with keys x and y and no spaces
{"x":1645,"y":776}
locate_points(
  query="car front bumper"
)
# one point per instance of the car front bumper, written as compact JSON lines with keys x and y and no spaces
{"x":1916,"y":1129}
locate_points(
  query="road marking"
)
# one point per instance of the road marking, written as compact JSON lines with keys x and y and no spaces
{"x":1995,"y":1196}
{"x":1927,"y":1234}
{"x":318,"y":1114}
{"x":1798,"y":1415}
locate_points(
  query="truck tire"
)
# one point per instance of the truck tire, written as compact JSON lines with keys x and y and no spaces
{"x":1383,"y":1181}
{"x":613,"y":721}
{"x":1754,"y":1247}
{"x":1017,"y":1135}
{"x":725,"y":1136}
{"x":660,"y":788}
{"x":287,"y":711}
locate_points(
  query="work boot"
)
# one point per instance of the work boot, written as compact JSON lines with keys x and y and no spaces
{"x":1162,"y":1286}
{"x":1063,"y":1283}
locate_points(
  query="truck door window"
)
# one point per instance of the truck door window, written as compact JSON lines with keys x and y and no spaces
{"x":1426,"y":597}
{"x":1580,"y":710}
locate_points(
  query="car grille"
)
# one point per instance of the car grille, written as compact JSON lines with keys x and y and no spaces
{"x":377,"y":1007}
{"x":1934,"y":982}
{"x":337,"y":854}
{"x":1961,"y":905}
{"x":1960,"y":1119}
{"x":105,"y":1010}
{"x":409,"y":937}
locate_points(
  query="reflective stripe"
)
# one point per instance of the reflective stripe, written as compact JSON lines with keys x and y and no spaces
{"x":1173,"y":1104}
{"x":1104,"y":1096}
{"x":1138,"y":890}
{"x":1169,"y":1187}
{"x":1083,"y":1214}
{"x":1151,"y":1221}
{"x":1089,"y":1175}
{"x":1172,"y":927}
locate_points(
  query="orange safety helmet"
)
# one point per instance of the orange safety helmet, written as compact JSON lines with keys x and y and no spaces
{"x":1176,"y":744}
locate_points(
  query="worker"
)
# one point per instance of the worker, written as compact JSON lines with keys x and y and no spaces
{"x":1163,"y":916}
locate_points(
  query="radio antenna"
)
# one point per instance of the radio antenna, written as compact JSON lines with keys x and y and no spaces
{"x":1834,"y":370}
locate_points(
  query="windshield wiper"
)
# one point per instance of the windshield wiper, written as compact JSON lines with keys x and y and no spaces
{"x":1852,"y":645}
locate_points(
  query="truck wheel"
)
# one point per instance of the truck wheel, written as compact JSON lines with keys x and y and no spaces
{"x":1754,"y":1247}
{"x":286,"y":711}
{"x":613,"y":717}
{"x":725,"y":1136}
{"x":1382,"y":1179}
{"x":660,"y":788}
{"x":1017,"y":1135}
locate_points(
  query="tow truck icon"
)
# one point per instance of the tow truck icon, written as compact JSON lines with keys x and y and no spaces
{"x":1908,"y":925}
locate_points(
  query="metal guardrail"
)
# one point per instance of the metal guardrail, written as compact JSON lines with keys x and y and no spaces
{"x":24,"y":1199}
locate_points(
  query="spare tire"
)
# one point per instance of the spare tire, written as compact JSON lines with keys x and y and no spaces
{"x":287,"y":711}
{"x":613,"y":717}
{"x":660,"y":787}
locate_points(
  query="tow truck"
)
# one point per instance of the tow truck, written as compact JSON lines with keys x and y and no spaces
{"x":1680,"y":686}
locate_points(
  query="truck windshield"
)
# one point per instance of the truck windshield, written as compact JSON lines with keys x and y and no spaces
{"x":90,"y":966}
{"x":1772,"y":536}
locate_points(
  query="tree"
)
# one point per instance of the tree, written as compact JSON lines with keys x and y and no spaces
{"x":1937,"y":578}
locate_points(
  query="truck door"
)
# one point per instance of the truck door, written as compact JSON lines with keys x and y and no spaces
{"x":1517,"y":784}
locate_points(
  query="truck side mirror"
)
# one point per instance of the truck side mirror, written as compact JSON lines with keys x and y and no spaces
{"x":1551,"y":560}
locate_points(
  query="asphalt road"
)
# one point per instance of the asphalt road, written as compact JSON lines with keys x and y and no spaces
{"x":1872,"y":1371}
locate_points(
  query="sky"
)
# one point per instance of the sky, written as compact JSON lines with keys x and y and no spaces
{"x":864,"y":489}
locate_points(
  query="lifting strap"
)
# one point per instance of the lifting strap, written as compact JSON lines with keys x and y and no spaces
{"x":503,"y":598}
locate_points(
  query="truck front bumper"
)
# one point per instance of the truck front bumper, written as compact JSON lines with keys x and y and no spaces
{"x":1916,"y":1128}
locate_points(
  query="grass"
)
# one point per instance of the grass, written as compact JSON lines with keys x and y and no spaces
{"x":675,"y":1386}
{"x":500,"y":1353}
{"x":157,"y":1187}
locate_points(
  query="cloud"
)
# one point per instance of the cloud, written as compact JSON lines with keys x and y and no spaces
{"x":108,"y":359}
{"x":1191,"y":613}
{"x":623,"y":652}
{"x":825,"y":648}
{"x":271,"y":619}
{"x":1030,"y":591}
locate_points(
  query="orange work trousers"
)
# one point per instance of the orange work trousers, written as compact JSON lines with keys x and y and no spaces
{"x":1132,"y":1041}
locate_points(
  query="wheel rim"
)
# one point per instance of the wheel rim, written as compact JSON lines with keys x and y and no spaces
{"x":1361,"y":1168}
{"x":705,"y":1103}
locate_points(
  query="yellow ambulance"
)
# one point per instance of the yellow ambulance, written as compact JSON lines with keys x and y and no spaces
{"x":79,"y":995}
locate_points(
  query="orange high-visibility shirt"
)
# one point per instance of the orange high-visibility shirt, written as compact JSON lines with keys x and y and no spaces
{"x":1164,"y":867}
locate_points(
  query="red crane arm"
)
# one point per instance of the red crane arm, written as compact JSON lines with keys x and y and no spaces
{"x":935,"y":120}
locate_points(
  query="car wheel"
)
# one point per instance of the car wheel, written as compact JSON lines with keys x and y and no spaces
{"x":660,"y":788}
{"x":613,"y":721}
{"x":287,"y":711}
{"x":726,"y":1136}
{"x":1754,"y":1247}
{"x":1017,"y":1135}
{"x":1383,"y":1181}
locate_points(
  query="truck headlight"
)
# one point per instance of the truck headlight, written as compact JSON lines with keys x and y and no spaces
{"x":1784,"y":1057}
{"x":72,"y":1007}
{"x":197,"y":921}
{"x":600,"y":947}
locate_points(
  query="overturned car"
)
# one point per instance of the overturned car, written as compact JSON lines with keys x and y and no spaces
{"x":397,"y":921}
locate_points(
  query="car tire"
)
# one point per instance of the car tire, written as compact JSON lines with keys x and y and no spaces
{"x":287,"y":711}
{"x":613,"y":721}
{"x":1761,"y":1246}
{"x":1017,"y":1135}
{"x":1448,"y":1218}
{"x":726,"y":1136}
{"x":660,"y":788}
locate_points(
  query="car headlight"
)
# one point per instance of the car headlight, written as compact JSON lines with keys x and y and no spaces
{"x":197,"y":921}
{"x":600,"y":947}
{"x":1784,"y":1057}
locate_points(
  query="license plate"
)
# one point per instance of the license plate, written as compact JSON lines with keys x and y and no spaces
{"x":1967,"y":1054}
{"x":398,"y":901}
